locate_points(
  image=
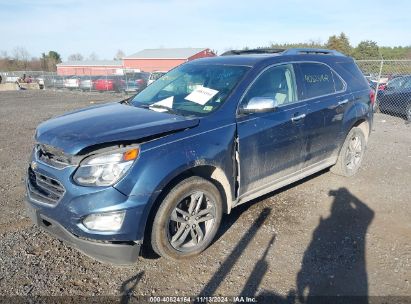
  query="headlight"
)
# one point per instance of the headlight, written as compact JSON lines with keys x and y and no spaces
{"x":108,"y":221}
{"x":105,"y":169}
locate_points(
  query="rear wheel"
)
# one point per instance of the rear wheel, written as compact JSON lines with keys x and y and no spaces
{"x":187,"y":220}
{"x":351,"y":154}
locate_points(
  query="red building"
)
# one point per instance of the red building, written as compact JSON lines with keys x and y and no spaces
{"x":148,"y":60}
{"x":89,"y":67}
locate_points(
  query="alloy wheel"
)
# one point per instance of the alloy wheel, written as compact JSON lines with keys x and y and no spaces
{"x":354,"y":153}
{"x":191,"y":221}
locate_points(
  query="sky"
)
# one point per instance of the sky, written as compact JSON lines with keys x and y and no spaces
{"x":105,"y":26}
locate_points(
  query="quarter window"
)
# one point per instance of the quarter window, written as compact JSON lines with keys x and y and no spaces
{"x":277,"y":82}
{"x":339,"y":85}
{"x":319,"y":79}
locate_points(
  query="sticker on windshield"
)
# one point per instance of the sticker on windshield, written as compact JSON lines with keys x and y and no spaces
{"x":201,"y":95}
{"x":167,"y":102}
{"x":208,"y":108}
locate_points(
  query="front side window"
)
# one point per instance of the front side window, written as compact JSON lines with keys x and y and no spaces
{"x":277,"y":83}
{"x":191,"y":89}
{"x":319,"y":80}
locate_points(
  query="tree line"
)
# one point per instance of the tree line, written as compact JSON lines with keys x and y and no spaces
{"x":20,"y":58}
{"x":366,"y":49}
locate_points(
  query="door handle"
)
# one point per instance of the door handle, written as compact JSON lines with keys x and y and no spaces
{"x":343,"y":102}
{"x":297,"y":118}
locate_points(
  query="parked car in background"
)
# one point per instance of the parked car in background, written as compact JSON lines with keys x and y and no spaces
{"x":373,"y":84}
{"x":40,"y":81}
{"x":11,"y":79}
{"x":136,"y":82}
{"x":396,"y":97}
{"x":87,"y":83}
{"x":57,"y":82}
{"x":154,"y":76}
{"x":72,"y":82}
{"x":110,"y":83}
{"x":162,"y":167}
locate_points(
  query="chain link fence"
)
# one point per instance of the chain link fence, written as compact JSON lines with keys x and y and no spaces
{"x":391,"y":81}
{"x":97,"y":80}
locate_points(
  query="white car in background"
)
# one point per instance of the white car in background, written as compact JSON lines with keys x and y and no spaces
{"x":72,"y":82}
{"x":12,"y":79}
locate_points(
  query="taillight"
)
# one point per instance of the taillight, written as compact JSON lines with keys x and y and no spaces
{"x":372,"y":97}
{"x":140,"y":81}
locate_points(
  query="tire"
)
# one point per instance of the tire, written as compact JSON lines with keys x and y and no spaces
{"x":177,"y":234}
{"x":351,"y":154}
{"x":408,"y":112}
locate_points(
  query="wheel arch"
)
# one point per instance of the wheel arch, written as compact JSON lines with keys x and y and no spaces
{"x":211,"y":173}
{"x":364,"y":125}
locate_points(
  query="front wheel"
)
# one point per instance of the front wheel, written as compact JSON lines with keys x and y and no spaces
{"x":187,"y":219}
{"x":351,"y":154}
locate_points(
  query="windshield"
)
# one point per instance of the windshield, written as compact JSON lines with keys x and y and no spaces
{"x":191,"y":89}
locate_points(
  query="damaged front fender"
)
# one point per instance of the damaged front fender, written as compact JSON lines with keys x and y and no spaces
{"x":165,"y":159}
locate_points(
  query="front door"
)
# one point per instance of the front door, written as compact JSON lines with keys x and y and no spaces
{"x":270,"y":144}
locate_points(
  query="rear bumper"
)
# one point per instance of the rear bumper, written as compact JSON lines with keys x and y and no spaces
{"x":106,"y":252}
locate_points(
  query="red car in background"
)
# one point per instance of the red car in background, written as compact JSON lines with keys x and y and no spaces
{"x":110,"y":83}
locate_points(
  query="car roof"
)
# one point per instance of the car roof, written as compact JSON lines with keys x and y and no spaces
{"x":254,"y":57}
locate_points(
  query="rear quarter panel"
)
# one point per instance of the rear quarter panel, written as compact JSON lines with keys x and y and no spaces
{"x":361,"y":109}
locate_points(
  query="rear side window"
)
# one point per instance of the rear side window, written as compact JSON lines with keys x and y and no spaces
{"x":319,"y":80}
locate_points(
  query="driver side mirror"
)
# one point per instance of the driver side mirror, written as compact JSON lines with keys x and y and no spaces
{"x":260,"y":105}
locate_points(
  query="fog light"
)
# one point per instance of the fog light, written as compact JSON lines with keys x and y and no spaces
{"x":108,"y":221}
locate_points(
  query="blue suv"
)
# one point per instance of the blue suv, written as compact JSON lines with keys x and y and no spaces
{"x":163,"y":166}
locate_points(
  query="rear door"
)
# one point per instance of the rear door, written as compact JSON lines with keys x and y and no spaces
{"x":327,"y":100}
{"x":270,"y":143}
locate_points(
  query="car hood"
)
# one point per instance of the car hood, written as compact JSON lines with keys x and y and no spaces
{"x":108,"y":123}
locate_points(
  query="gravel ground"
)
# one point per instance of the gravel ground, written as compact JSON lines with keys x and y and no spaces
{"x":324,"y":235}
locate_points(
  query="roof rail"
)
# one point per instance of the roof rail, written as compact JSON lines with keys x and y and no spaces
{"x":293,"y":51}
{"x":299,"y":51}
{"x":253,"y":51}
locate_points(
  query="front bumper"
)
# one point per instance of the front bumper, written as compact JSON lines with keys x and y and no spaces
{"x":120,"y":253}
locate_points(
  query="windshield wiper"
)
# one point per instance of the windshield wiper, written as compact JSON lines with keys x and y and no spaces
{"x":128,"y":100}
{"x":157,"y":106}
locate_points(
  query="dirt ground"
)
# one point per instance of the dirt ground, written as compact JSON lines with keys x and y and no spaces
{"x":325,"y":235}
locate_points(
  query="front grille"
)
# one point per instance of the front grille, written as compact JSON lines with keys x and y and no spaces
{"x":43,"y":188}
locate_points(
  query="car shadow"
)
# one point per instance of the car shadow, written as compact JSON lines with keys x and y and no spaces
{"x":235,"y":254}
{"x":229,"y":219}
{"x":334,"y":265}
